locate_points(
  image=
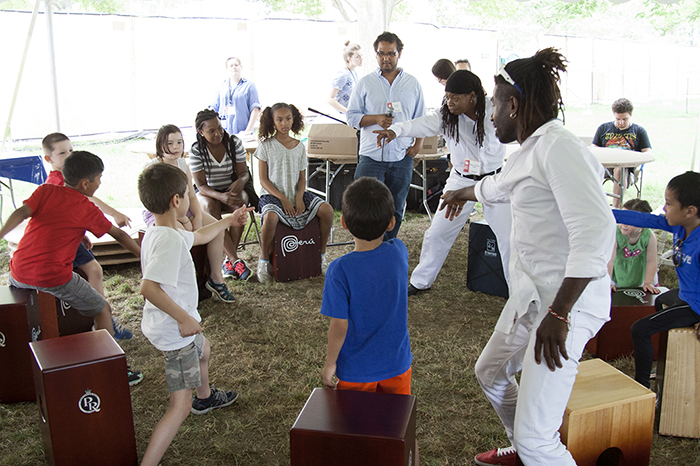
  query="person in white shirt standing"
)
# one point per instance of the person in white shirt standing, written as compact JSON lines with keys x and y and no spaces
{"x":476,"y":153}
{"x":561,"y":240}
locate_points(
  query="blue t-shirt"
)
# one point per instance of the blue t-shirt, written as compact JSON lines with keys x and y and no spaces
{"x":370,"y":290}
{"x":235,"y":105}
{"x":689,"y":270}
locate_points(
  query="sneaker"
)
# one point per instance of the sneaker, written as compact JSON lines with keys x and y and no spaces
{"x":134,"y":377}
{"x":220,"y":291}
{"x":217,"y":399}
{"x":497,"y":456}
{"x":264,"y":275}
{"x":241,"y":270}
{"x":412,"y":290}
{"x":121,"y":332}
{"x":227,"y":269}
{"x":324,"y":264}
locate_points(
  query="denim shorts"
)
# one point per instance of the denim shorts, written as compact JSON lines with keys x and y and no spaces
{"x":83,"y":256}
{"x":77,"y":293}
{"x":182,"y":365}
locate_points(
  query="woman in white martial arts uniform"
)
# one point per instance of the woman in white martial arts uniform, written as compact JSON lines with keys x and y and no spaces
{"x":475,"y":152}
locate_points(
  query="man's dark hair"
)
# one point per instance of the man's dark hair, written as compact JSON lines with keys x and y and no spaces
{"x":640,"y":205}
{"x":81,"y":165}
{"x":622,"y":106}
{"x":390,"y":37}
{"x":51,"y":139}
{"x":686,"y":188}
{"x":368,"y":208}
{"x":464,"y":60}
{"x":537,"y":79}
{"x":158,"y":183}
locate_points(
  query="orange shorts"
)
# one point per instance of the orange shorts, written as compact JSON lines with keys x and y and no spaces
{"x":401,"y":384}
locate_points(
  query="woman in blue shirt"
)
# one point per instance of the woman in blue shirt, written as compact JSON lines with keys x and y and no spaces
{"x":346,"y":79}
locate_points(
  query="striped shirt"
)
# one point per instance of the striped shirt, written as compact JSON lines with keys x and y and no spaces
{"x":219,"y":175}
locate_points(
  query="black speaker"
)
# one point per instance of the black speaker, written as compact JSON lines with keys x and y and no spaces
{"x":484,"y":267}
{"x":437,"y":174}
{"x":342,"y":180}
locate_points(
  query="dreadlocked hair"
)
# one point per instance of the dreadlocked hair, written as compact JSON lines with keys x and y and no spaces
{"x":538,"y":78}
{"x":468,"y":82}
{"x":228,"y":141}
{"x":267,"y":121}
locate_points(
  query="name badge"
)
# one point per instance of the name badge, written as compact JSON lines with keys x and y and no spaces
{"x":471,"y":167}
{"x":394,"y":107}
{"x":230,"y":111}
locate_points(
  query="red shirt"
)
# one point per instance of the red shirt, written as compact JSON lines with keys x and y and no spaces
{"x":55,"y":177}
{"x":60,"y":217}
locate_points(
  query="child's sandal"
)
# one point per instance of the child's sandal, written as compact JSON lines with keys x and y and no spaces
{"x":220,"y":291}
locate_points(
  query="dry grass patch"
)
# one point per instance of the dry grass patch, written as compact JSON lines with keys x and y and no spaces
{"x":270,"y":347}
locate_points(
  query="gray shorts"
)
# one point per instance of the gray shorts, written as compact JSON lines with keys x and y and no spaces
{"x":77,"y":293}
{"x":182,"y":365}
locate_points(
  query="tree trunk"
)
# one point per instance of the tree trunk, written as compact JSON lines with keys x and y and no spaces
{"x":373,"y":18}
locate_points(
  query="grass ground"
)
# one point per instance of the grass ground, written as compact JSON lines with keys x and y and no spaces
{"x":270,"y":345}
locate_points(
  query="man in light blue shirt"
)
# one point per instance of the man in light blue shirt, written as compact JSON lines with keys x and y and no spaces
{"x":386,"y":95}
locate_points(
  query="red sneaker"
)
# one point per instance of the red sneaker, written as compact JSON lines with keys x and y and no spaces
{"x":498,"y":457}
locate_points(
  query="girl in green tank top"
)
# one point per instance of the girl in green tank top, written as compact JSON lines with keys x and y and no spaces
{"x":633,"y":264}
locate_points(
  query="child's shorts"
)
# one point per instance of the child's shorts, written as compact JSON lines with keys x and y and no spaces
{"x":77,"y":293}
{"x":182,"y":365}
{"x":83,"y":256}
{"x":401,"y":385}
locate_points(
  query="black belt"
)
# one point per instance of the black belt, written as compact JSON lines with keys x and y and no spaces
{"x":478,"y":177}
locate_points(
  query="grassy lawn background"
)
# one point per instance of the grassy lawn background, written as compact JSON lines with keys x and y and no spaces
{"x":270,"y":344}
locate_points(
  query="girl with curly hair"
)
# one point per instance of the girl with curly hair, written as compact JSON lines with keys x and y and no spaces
{"x":283,"y":179}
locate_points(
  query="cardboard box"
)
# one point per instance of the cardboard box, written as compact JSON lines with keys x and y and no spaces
{"x":332,"y":139}
{"x":430,"y":145}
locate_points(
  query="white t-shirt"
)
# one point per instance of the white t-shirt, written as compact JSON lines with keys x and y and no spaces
{"x":166,"y":260}
{"x":283,"y":166}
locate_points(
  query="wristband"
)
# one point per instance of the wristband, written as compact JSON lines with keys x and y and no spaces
{"x":563,"y":319}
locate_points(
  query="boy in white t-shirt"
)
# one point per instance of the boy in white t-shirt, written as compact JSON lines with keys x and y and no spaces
{"x":170,"y":317}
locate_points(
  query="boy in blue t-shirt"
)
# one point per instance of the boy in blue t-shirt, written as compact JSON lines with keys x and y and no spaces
{"x":680,"y":307}
{"x":365,"y":295}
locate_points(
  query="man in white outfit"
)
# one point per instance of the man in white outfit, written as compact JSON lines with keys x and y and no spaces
{"x":476,"y":153}
{"x":562,"y":238}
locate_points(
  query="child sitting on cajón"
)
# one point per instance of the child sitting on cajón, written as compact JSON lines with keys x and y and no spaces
{"x":170,"y":317}
{"x":283,"y":178}
{"x":170,"y":149}
{"x":57,"y":147}
{"x":679,"y":307}
{"x":633,"y":263}
{"x":60,"y":215}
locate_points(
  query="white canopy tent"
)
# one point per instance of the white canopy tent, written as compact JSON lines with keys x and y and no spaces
{"x":54,"y":84}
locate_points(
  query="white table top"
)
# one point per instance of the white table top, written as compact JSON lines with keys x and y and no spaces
{"x":351,"y":159}
{"x":609,"y":157}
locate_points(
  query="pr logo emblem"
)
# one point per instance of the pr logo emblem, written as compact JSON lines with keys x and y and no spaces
{"x":2,"y":340}
{"x":89,"y":403}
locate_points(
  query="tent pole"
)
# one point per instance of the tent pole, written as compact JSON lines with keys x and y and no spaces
{"x":52,"y":62}
{"x":19,"y":74}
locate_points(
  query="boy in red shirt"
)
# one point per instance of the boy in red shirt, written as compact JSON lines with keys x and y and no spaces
{"x":57,"y":147}
{"x":60,"y":215}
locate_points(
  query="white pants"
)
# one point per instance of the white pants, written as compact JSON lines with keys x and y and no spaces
{"x":441,"y":234}
{"x":532,"y":413}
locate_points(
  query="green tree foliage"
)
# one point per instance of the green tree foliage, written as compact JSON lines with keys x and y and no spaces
{"x":310,"y":8}
{"x":680,"y":18}
{"x":102,"y":6}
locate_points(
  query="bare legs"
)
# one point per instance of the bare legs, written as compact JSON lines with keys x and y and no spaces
{"x":178,"y":409}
